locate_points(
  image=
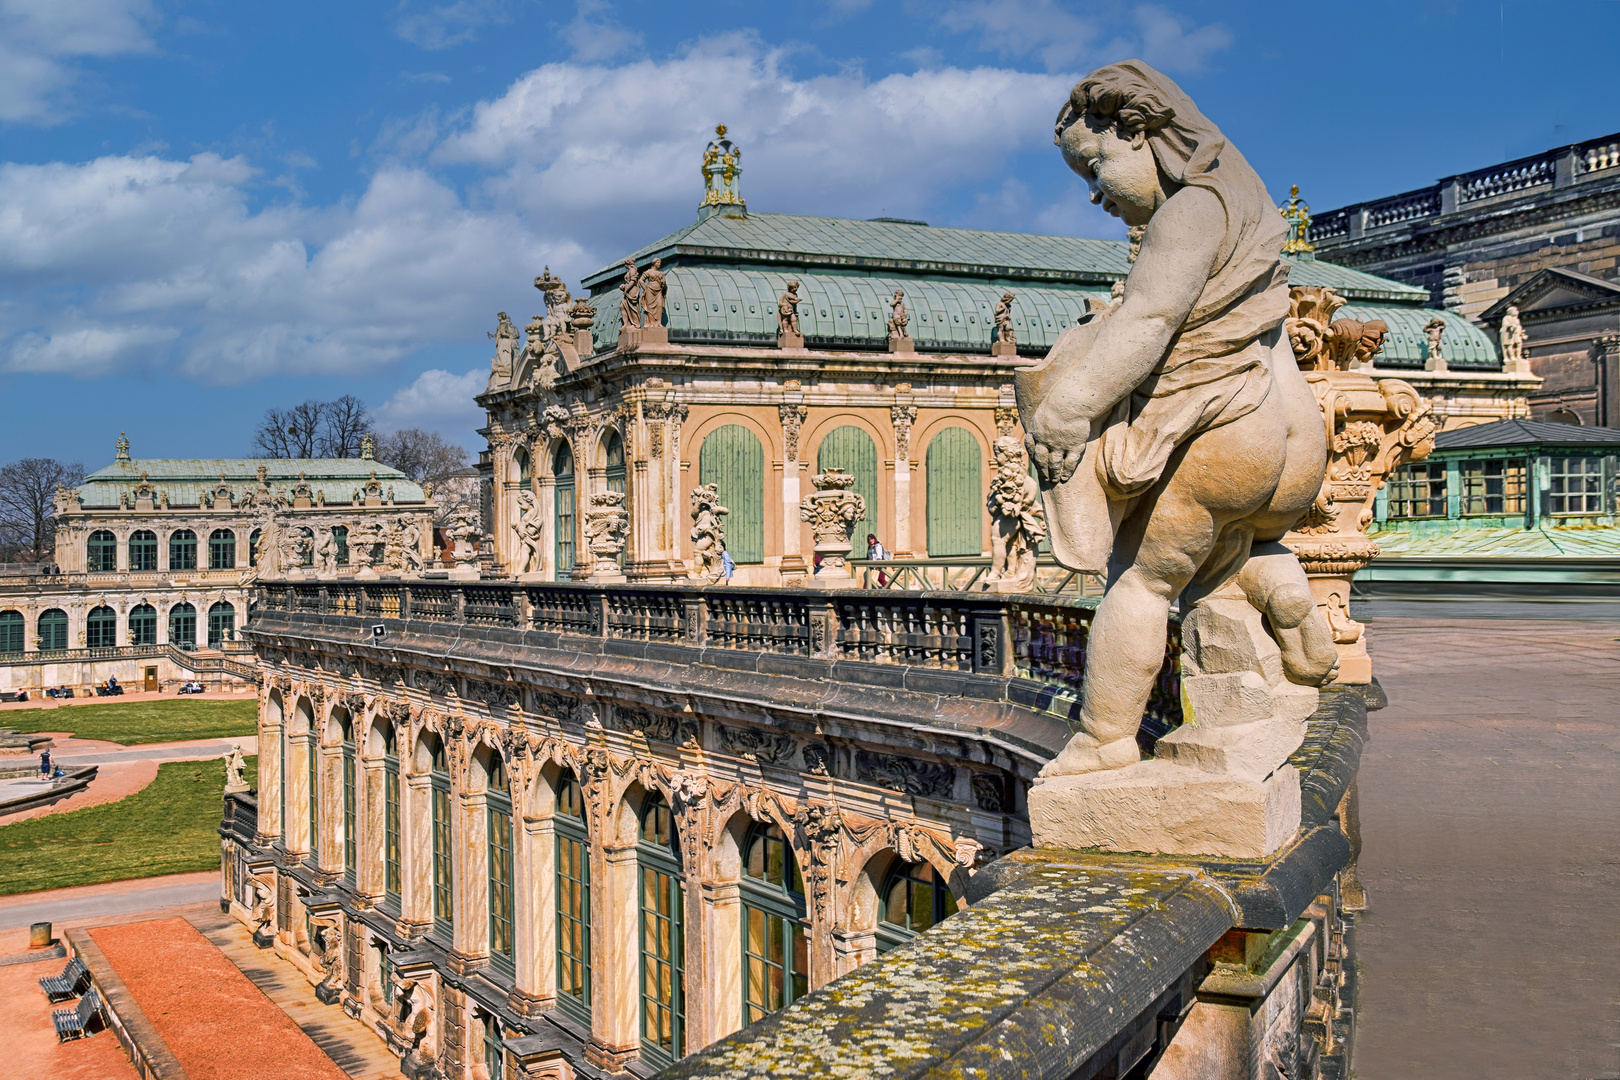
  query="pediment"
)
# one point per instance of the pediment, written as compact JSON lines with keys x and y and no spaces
{"x":1551,"y":290}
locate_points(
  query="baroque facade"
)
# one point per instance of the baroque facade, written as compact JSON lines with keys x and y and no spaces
{"x":1528,"y":249}
{"x":751,"y":351}
{"x":155,"y":560}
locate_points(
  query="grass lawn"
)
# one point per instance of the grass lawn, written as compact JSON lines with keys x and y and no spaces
{"x":133,"y":722}
{"x":168,"y":827}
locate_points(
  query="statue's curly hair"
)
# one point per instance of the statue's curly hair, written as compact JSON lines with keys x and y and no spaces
{"x":1119,"y":95}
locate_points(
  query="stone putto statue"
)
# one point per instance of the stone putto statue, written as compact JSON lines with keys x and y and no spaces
{"x":330,"y":937}
{"x":787,"y":318}
{"x":899,"y":317}
{"x":527,"y":528}
{"x":410,"y":548}
{"x":708,"y":534}
{"x":1511,"y":337}
{"x":1177,"y":441}
{"x":1434,"y":330}
{"x":235,"y":766}
{"x":263,"y":915}
{"x":1003,"y":317}
{"x":416,"y":1028}
{"x":1017,"y":519}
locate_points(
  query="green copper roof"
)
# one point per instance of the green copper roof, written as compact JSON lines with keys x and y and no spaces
{"x":1466,"y":347}
{"x":723,"y":305}
{"x":1528,"y":433}
{"x":185,"y":479}
{"x":1353,"y":284}
{"x":1549,"y":541}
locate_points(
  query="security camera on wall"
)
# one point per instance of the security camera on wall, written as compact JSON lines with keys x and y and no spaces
{"x":378,"y":631}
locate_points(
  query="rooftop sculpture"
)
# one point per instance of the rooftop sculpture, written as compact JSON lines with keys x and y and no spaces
{"x":1177,"y":442}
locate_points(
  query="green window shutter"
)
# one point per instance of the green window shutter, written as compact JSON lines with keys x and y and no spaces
{"x":851,"y":449}
{"x":732,"y":459}
{"x":955,"y":494}
{"x":11,"y":631}
{"x":53,"y":629}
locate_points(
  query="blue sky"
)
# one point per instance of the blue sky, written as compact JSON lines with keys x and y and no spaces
{"x":210,"y":208}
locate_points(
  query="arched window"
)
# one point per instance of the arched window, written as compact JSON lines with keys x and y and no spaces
{"x":663,"y":941}
{"x":340,"y":537}
{"x":101,"y":552}
{"x":498,"y":814}
{"x":143,"y":550}
{"x":253,"y":548}
{"x":312,"y":754}
{"x":11,"y":631}
{"x":732,"y":459}
{"x":573,"y":900}
{"x":101,"y":628}
{"x":182,"y":550}
{"x":393,"y":878}
{"x":222,"y":550}
{"x":351,"y":839}
{"x":307,"y":547}
{"x":221,"y":624}
{"x":562,"y":468}
{"x":520,"y":458}
{"x":955,"y":494}
{"x":443,"y":884}
{"x":183,"y":625}
{"x":53,"y":629}
{"x":851,"y":449}
{"x":143,"y":625}
{"x":776,"y":943}
{"x":914,"y":897}
{"x":613,"y":459}
{"x":494,"y":1052}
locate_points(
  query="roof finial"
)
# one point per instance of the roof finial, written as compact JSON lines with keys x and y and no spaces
{"x":366,"y":445}
{"x":1298,"y":216}
{"x":123,"y":447}
{"x":721,"y":168}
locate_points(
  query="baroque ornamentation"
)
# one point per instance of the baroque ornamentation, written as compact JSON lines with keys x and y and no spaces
{"x":903,"y":417}
{"x":792,"y":416}
{"x":831,"y":512}
{"x":908,"y":775}
{"x":754,"y":745}
{"x":1017,"y":519}
{"x":708,"y":535}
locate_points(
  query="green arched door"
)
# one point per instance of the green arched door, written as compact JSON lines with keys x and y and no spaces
{"x":955,"y":494}
{"x":851,"y":449}
{"x":732,"y":459}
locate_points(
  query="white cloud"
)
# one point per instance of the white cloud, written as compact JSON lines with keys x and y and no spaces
{"x":438,"y":401}
{"x":593,"y":35}
{"x":1053,"y":33}
{"x":440,"y":26}
{"x":41,"y":39}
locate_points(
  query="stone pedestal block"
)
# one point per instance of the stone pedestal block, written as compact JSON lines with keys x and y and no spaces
{"x":1166,"y":808}
{"x":1003,"y":348}
{"x":463,"y":572}
{"x":789,"y":341}
{"x":901,"y":344}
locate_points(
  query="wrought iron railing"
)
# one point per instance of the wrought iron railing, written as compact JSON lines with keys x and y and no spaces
{"x":967,"y":574}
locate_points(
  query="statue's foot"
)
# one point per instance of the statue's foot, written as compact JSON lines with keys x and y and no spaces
{"x":1085,"y":754}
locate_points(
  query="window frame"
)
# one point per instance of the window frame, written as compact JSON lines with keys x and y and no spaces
{"x":351,"y":841}
{"x":13,"y":628}
{"x":572,"y":849}
{"x":101,"y":552}
{"x":499,"y":868}
{"x":1558,"y":480}
{"x":101,"y":630}
{"x":218,"y":631}
{"x":186,"y":613}
{"x":143,"y":551}
{"x":144,"y":631}
{"x":393,"y":870}
{"x":182,"y":543}
{"x":1403,"y":485}
{"x":891,"y":935}
{"x":222,"y":552}
{"x":771,"y":903}
{"x":564,"y":489}
{"x":1474,"y":483}
{"x":442,"y":877}
{"x":58,"y":624}
{"x":659,"y":876}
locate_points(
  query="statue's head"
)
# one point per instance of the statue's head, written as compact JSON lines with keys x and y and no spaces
{"x":1134,"y":137}
{"x":1513,"y":311}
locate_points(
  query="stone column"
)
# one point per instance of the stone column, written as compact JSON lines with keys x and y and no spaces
{"x":904,"y":414}
{"x":851,"y":949}
{"x":370,"y":815}
{"x":297,"y":838}
{"x":270,"y":777}
{"x":793,"y":414}
{"x":416,"y":848}
{"x":616,"y":958}
{"x":329,"y":849}
{"x":720,"y":924}
{"x":534,"y":913}
{"x":470,"y":869}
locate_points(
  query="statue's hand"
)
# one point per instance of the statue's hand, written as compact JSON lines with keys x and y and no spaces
{"x":1057,"y":450}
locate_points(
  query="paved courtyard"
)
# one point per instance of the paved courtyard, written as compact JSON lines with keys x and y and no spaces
{"x":1491,"y":826}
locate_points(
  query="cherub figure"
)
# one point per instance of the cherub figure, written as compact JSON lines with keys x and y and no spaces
{"x":528,"y":528}
{"x":708,"y":533}
{"x":899,"y":317}
{"x":1177,"y":440}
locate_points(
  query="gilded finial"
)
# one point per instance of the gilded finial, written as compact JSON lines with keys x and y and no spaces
{"x":123,"y":447}
{"x":721,"y":168}
{"x":1298,"y":216}
{"x":720,"y":130}
{"x":366,"y":445}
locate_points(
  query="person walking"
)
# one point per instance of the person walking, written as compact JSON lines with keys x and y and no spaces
{"x":45,"y":764}
{"x":876,"y":552}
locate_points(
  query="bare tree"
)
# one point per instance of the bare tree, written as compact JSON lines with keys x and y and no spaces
{"x":344,"y":423}
{"x":314,"y":429}
{"x":434,"y":462}
{"x":27,"y":493}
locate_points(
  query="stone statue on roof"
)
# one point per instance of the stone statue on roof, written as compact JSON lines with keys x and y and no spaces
{"x":1003,"y":317}
{"x":505,"y":360}
{"x":787,"y":317}
{"x":1511,"y":336}
{"x":630,"y":297}
{"x":899,"y":317}
{"x":1177,"y":442}
{"x":1434,"y":330}
{"x":653,"y":290}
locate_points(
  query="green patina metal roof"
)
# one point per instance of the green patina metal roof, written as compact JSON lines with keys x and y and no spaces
{"x":185,"y":479}
{"x":1546,"y":542}
{"x":1466,"y":346}
{"x":1525,"y":433}
{"x":738,"y":306}
{"x":1353,"y":284}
